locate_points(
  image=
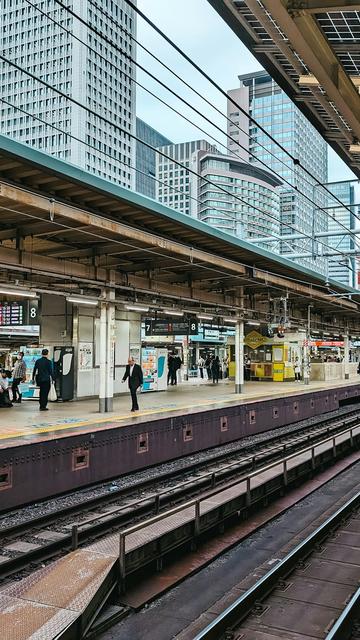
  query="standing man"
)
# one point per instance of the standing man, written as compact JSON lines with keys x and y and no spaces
{"x":19,"y":375}
{"x":43,"y":375}
{"x":134,"y":374}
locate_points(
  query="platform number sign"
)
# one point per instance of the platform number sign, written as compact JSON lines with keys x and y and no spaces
{"x":193,"y":327}
{"x":33,"y":312}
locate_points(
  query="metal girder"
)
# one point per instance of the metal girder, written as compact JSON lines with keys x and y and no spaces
{"x":311,"y":45}
{"x":68,"y":213}
{"x":323,"y":6}
{"x":302,"y":289}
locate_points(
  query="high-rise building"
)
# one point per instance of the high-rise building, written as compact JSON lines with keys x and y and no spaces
{"x":250,"y":208}
{"x":175,"y":190}
{"x":271,"y":108}
{"x":342,"y":268}
{"x":85,"y":68}
{"x":146,"y":158}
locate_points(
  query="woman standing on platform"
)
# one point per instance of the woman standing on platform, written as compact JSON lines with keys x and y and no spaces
{"x":297,"y":369}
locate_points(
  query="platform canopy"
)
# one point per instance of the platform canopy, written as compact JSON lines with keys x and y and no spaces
{"x":312,"y":50}
{"x":63,"y":229}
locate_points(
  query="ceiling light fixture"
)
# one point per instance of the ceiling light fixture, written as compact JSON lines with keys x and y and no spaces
{"x":133,"y":307}
{"x":173,"y":313}
{"x":233,"y":320}
{"x":355,"y":147}
{"x":91,"y":302}
{"x":18,"y":293}
{"x":203,"y":316}
{"x":255,"y":323}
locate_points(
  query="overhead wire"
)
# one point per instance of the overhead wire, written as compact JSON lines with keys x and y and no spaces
{"x":134,"y":61}
{"x":131,"y":135}
{"x":296,"y":161}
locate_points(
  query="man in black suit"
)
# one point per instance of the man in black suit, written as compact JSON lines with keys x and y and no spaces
{"x":134,"y":374}
{"x":43,"y":374}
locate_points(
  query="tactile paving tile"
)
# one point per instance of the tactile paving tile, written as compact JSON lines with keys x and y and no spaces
{"x":52,"y":586}
{"x":23,"y":620}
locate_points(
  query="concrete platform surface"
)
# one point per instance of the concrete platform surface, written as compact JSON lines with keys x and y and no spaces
{"x":24,"y":423}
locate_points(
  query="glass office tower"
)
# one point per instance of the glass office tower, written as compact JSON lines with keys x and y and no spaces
{"x":146,"y":158}
{"x":263,"y":99}
{"x":85,"y":68}
{"x":341,"y":268}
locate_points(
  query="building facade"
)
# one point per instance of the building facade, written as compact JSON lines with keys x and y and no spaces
{"x":175,"y":188}
{"x":342,"y":269}
{"x":145,"y":181}
{"x":271,"y":108}
{"x":249,"y":209}
{"x":86,"y":69}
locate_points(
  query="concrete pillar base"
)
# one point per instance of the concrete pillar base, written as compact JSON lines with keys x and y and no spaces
{"x":347,"y":376}
{"x":306,"y":380}
{"x":238,"y":388}
{"x":105,"y":405}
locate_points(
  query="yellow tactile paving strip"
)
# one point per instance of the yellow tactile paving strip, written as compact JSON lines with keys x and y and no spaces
{"x":44,"y":431}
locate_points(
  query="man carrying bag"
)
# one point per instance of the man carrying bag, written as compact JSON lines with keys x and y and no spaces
{"x":134,"y":375}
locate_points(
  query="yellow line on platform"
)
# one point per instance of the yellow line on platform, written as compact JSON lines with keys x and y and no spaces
{"x":119,"y":418}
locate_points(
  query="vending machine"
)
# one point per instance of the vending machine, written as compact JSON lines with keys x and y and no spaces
{"x":154,"y":368}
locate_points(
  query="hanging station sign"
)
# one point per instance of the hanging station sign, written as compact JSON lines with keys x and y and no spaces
{"x":19,"y":313}
{"x":254,"y":340}
{"x":171,"y":327}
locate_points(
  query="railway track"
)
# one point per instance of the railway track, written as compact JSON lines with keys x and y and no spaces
{"x":29,"y":543}
{"x":312,"y":592}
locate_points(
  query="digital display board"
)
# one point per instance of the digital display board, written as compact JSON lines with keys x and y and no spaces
{"x":17,"y":314}
{"x":172,"y":327}
{"x":12,"y":314}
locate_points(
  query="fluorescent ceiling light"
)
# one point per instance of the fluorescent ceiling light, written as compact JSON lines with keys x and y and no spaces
{"x":315,"y":331}
{"x":173,"y":313}
{"x":255,"y":323}
{"x":355,"y":148}
{"x":234,"y":320}
{"x":91,"y":302}
{"x":202,"y":316}
{"x":132,"y":307}
{"x":18,"y":293}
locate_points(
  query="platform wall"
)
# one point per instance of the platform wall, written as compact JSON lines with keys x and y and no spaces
{"x":36,"y":470}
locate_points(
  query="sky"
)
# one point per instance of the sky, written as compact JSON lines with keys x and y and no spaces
{"x":200,"y":32}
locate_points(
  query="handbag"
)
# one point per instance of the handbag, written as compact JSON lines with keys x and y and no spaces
{"x":52,"y":393}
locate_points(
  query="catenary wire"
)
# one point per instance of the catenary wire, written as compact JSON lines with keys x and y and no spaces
{"x":126,"y":55}
{"x":166,"y":156}
{"x":296,"y":161}
{"x":246,"y":133}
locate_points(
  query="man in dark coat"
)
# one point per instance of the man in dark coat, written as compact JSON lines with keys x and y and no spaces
{"x":134,"y":375}
{"x":43,"y":375}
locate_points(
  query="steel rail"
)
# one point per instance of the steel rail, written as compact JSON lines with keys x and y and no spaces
{"x":81,"y":534}
{"x":237,"y":611}
{"x":333,"y":422}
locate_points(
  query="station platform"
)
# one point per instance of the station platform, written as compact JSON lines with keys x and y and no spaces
{"x":73,"y":445}
{"x":23,"y":424}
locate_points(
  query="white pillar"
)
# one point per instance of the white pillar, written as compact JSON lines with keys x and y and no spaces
{"x":102,"y":359}
{"x":110,"y":356}
{"x":346,"y":356}
{"x":239,"y":356}
{"x":306,"y":362}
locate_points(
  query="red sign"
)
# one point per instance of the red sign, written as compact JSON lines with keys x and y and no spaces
{"x":326,"y":343}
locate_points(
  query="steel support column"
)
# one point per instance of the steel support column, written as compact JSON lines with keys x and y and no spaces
{"x":102,"y":358}
{"x":110,"y":357}
{"x":239,"y":356}
{"x":346,"y":357}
